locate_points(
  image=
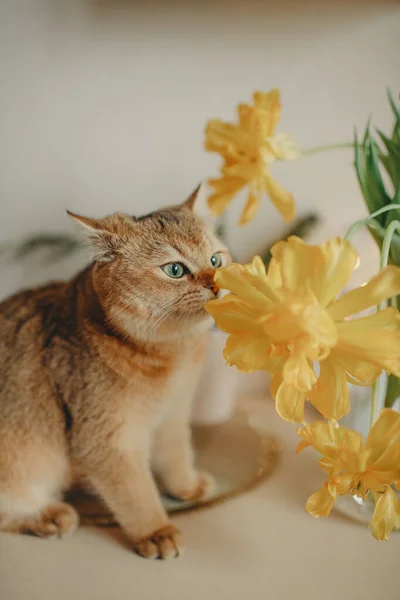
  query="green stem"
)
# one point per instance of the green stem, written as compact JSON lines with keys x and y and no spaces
{"x":326,"y":148}
{"x":387,"y":240}
{"x":362,"y":222}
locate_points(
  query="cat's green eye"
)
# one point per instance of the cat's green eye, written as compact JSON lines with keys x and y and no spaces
{"x":216,"y":260}
{"x":174,"y":270}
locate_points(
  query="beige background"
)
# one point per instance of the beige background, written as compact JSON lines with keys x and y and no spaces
{"x":102,"y":108}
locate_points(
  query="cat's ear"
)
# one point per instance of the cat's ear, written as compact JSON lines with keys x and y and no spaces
{"x":197,"y":202}
{"x":192,"y":202}
{"x":105,"y":235}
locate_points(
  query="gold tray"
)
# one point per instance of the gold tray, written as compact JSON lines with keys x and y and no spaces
{"x":238,"y":454}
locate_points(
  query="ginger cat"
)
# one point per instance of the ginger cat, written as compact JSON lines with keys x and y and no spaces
{"x":97,"y":377}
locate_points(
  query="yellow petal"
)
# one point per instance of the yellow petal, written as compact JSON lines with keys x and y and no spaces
{"x":320,"y":503}
{"x":275,"y":273}
{"x":331,"y":440}
{"x":295,"y":317}
{"x":381,"y":287}
{"x":283,"y":147}
{"x":324,"y":269}
{"x":301,"y":446}
{"x":330,"y":395}
{"x":275,"y":384}
{"x":282,"y":199}
{"x":270,"y":105}
{"x":234,"y":315}
{"x":247,"y":117}
{"x":289,"y":403}
{"x":339,"y":485}
{"x":251,"y":208}
{"x":340,"y":260}
{"x":226,"y":188}
{"x":386,"y":515}
{"x":381,"y":347}
{"x":298,"y":373}
{"x":256,"y":268}
{"x":236,"y":279}
{"x":383,"y":445}
{"x":257,"y":276}
{"x":385,"y":431}
{"x":248,"y":352}
{"x":227,"y":139}
{"x":358,"y":371}
{"x":247,"y":170}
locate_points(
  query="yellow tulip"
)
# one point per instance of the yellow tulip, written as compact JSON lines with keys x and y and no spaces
{"x":248,"y":148}
{"x":288,"y":320}
{"x":358,"y":469}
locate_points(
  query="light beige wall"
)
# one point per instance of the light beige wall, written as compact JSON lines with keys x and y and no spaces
{"x":103,"y":104}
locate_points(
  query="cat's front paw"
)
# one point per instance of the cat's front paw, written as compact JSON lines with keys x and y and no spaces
{"x":163,"y":543}
{"x":201,"y":491}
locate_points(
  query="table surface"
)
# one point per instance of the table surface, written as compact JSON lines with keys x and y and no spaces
{"x":259,"y":545}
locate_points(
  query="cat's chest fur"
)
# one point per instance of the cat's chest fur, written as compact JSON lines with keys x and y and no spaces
{"x":160,"y":390}
{"x":164,"y":374}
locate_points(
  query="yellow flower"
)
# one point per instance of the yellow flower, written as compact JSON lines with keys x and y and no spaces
{"x":358,"y":469}
{"x":288,"y":320}
{"x":248,"y":148}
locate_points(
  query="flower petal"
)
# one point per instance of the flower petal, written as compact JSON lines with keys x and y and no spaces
{"x":228,"y":139}
{"x":381,"y":287}
{"x":236,"y":279}
{"x":320,"y":503}
{"x":298,"y":373}
{"x":251,"y":208}
{"x":386,"y":431}
{"x":225,"y":189}
{"x":383,"y":445}
{"x":248,"y":352}
{"x":358,"y":371}
{"x":324,"y":269}
{"x":234,"y":315}
{"x":330,"y":440}
{"x":381,"y":347}
{"x":282,"y":199}
{"x":257,"y":267}
{"x":247,"y":170}
{"x":330,"y":395}
{"x":289,"y":403}
{"x":283,"y":146}
{"x":339,"y":485}
{"x":386,"y":515}
{"x":270,"y":105}
{"x":294,"y":318}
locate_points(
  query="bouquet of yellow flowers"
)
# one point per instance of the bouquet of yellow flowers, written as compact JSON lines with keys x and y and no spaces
{"x":291,"y":320}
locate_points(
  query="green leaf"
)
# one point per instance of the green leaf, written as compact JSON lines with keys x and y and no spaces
{"x":369,"y":177}
{"x":391,"y":160}
{"x":387,"y":142}
{"x":374,"y":174}
{"x":393,"y":105}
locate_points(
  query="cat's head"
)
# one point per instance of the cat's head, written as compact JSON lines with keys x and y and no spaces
{"x":154,"y":274}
